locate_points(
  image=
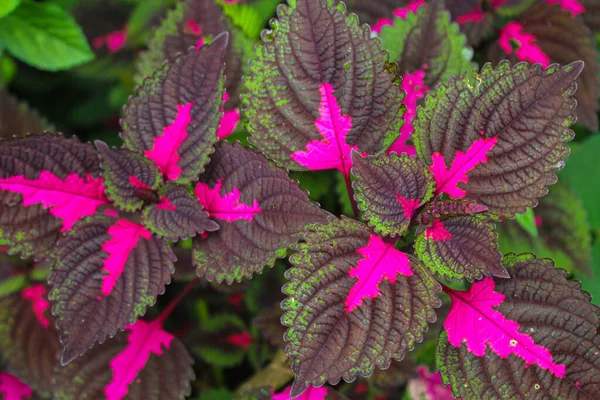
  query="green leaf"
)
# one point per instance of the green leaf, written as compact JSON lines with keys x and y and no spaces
{"x":8,"y":6}
{"x":527,"y":222}
{"x":593,"y":285}
{"x":252,"y":17}
{"x":44,"y":36}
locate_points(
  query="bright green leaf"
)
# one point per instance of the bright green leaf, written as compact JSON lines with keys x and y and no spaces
{"x":527,"y":222}
{"x":8,"y":6}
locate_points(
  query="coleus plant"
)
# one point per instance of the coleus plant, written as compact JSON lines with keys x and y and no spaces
{"x":427,"y":186}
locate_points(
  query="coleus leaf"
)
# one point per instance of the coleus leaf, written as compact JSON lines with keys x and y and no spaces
{"x":177,"y":131}
{"x":17,"y":119}
{"x":438,"y":208}
{"x":310,"y":98}
{"x":47,"y":183}
{"x":354,"y":303}
{"x":390,"y":189}
{"x":108,"y":271}
{"x":533,"y":335}
{"x":28,"y":339}
{"x":508,"y":113}
{"x":177,"y":215}
{"x":143,"y":363}
{"x":260,"y":211}
{"x":475,"y":22}
{"x":12,"y":388}
{"x":127,"y":176}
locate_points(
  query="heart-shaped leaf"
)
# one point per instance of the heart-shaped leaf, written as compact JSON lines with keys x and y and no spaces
{"x":498,"y":137}
{"x":108,"y":271}
{"x":310,"y":100}
{"x":533,"y":335}
{"x":18,"y":119}
{"x":354,"y":303}
{"x":390,"y":189}
{"x":260,"y":211}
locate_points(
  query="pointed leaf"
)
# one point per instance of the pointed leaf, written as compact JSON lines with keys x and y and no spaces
{"x":533,"y":335}
{"x":462,"y":247}
{"x":304,"y":91}
{"x":47,"y":183}
{"x":12,"y":388}
{"x":523,"y":110}
{"x":260,"y":211}
{"x":125,"y":173}
{"x":177,"y":132}
{"x":390,"y":189}
{"x":177,"y":215}
{"x":108,"y":271}
{"x":17,"y":119}
{"x":354,"y":303}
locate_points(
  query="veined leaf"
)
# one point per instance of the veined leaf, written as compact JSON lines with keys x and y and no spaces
{"x":17,"y":119}
{"x":303,"y":91}
{"x":108,"y":271}
{"x":12,"y":388}
{"x":533,"y":335}
{"x":354,"y":303}
{"x":260,"y":211}
{"x":498,"y":137}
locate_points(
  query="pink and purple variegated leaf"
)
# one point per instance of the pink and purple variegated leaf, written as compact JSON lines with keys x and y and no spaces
{"x":462,"y":247}
{"x":321,"y":98}
{"x":143,"y":363}
{"x":473,"y":130}
{"x":177,"y":215}
{"x":389,"y":189}
{"x":354,"y":303}
{"x":128,"y":176}
{"x":12,"y":388}
{"x":177,"y":132}
{"x":18,"y":120}
{"x":538,"y":330}
{"x":261,"y":212}
{"x":47,"y":183}
{"x":109,"y":271}
{"x":474,"y":22}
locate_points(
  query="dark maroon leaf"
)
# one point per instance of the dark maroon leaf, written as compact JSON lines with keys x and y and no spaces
{"x":17,"y":119}
{"x":475,"y":20}
{"x":531,"y":336}
{"x":497,"y":137}
{"x":591,"y":15}
{"x":260,"y":211}
{"x":354,"y":303}
{"x":173,"y":117}
{"x":439,"y":208}
{"x":177,"y":215}
{"x":108,"y":271}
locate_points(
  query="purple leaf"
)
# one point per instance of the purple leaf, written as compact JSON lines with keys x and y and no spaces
{"x":437,"y":209}
{"x":12,"y":388}
{"x":18,"y":120}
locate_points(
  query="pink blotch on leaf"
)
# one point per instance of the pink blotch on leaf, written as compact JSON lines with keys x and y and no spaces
{"x":473,"y":16}
{"x":538,"y":221}
{"x":145,"y":338}
{"x":331,"y":152}
{"x":124,"y":238}
{"x":473,"y":320}
{"x":437,"y":231}
{"x":70,"y":199}
{"x":192,"y":28}
{"x":409,"y":206}
{"x":526,"y":50}
{"x":229,"y":120}
{"x":428,"y":386}
{"x":412,"y":84}
{"x":574,"y":6}
{"x":311,"y":393}
{"x":380,"y":261}
{"x":242,"y":340}
{"x":135,"y":182}
{"x":227,"y":207}
{"x":111,"y":212}
{"x":200,"y":43}
{"x":380,"y":23}
{"x":12,"y":388}
{"x":447,"y":180}
{"x":36,"y":295}
{"x":114,"y":41}
{"x":165,"y":204}
{"x":165,"y":152}
{"x":411,"y":7}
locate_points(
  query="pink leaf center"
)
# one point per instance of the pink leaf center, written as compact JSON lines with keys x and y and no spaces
{"x":380,"y":260}
{"x":70,"y":199}
{"x":227,"y":207}
{"x":437,"y":232}
{"x":526,"y":50}
{"x":229,"y":120}
{"x":165,"y":204}
{"x":473,"y":320}
{"x":135,"y":182}
{"x":574,"y":6}
{"x":409,"y":206}
{"x":242,"y":339}
{"x":36,"y":294}
{"x":311,"y":393}
{"x":12,"y":388}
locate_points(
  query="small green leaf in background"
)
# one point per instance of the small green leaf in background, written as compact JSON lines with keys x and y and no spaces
{"x":592,"y":286}
{"x":44,"y":36}
{"x":527,"y":222}
{"x":251,"y":18}
{"x":8,"y":6}
{"x":8,"y":68}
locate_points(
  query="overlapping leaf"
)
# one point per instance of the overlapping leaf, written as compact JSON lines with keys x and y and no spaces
{"x":462,"y":247}
{"x":47,"y":183}
{"x":354,"y":303}
{"x":498,"y":137}
{"x":109,"y":270}
{"x":303,"y":89}
{"x":533,"y":336}
{"x":390,"y":189}
{"x":474,"y":22}
{"x":17,"y":119}
{"x":173,"y":117}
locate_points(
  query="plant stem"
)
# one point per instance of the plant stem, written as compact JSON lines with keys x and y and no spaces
{"x":277,"y":374}
{"x":351,"y":195}
{"x":167,"y":311}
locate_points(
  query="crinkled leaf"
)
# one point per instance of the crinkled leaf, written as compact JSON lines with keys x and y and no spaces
{"x":126,"y":174}
{"x":354,"y":303}
{"x":177,"y":215}
{"x":389,"y":189}
{"x":533,"y":336}
{"x":17,"y":119}
{"x":524,"y":110}
{"x":303,"y":90}
{"x":439,"y":208}
{"x":108,"y":271}
{"x":173,"y":127}
{"x":462,"y":247}
{"x":164,"y":375}
{"x":260,"y":211}
{"x":47,"y":183}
